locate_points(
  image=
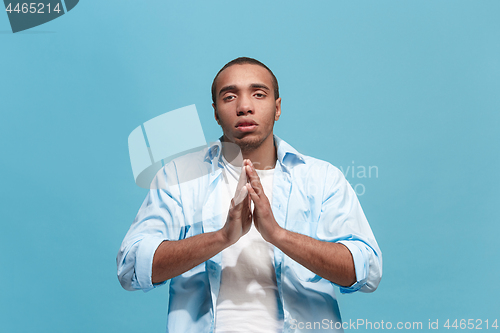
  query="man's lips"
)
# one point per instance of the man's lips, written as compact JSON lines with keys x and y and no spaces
{"x":246,"y":125}
{"x":245,"y":122}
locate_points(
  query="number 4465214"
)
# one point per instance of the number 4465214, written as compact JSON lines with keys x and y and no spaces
{"x":471,"y":324}
{"x":32,"y":8}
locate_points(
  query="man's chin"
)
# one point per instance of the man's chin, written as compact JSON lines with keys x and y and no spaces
{"x":249,"y":143}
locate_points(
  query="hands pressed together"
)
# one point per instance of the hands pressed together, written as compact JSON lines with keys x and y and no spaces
{"x":331,"y":261}
{"x":239,"y":219}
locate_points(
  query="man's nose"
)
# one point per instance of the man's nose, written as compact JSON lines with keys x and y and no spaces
{"x":245,"y":105}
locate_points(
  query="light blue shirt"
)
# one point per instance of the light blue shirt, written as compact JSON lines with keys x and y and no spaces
{"x":310,"y":197}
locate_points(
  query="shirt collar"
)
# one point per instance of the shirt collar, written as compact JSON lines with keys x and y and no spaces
{"x":287,"y":155}
{"x":214,"y":151}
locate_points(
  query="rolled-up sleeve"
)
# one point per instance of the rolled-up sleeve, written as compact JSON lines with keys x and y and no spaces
{"x":342,"y":221}
{"x":160,"y":218}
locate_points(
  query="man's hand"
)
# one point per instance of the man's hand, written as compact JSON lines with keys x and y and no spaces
{"x":262,"y":215}
{"x":331,"y":261}
{"x":239,"y":217}
{"x":173,"y":258}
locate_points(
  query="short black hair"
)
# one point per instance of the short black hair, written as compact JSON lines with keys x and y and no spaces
{"x":243,"y":61}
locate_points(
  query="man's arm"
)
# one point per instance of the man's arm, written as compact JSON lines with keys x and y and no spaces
{"x":173,"y":258}
{"x":151,"y":252}
{"x":332,"y":261}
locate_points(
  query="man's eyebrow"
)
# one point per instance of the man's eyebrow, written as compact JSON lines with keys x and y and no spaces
{"x":253,"y":86}
{"x":260,"y":86}
{"x":226,"y":88}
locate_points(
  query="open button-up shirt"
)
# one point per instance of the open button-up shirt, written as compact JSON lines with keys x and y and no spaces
{"x":310,"y":197}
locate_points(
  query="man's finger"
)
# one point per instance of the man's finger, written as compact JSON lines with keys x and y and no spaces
{"x":252,"y":194}
{"x":240,"y":195}
{"x":254,"y":180}
{"x":242,"y":180}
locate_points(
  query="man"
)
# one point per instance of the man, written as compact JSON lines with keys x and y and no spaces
{"x":267,"y":259}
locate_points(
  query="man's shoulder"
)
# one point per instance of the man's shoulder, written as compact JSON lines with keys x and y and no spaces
{"x":305,"y":165}
{"x":313,"y":164}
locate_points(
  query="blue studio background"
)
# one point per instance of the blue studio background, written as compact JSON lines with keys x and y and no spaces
{"x":408,"y":88}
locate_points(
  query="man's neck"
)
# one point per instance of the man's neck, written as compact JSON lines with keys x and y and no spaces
{"x":263,"y":157}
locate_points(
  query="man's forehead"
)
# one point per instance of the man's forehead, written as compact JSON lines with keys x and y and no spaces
{"x":243,"y":74}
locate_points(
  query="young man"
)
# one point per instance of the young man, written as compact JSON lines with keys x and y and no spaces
{"x":267,"y":259}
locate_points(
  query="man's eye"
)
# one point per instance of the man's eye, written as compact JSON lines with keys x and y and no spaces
{"x":228,"y":98}
{"x":259,"y":95}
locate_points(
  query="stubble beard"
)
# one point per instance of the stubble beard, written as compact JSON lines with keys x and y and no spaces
{"x":249,"y":144}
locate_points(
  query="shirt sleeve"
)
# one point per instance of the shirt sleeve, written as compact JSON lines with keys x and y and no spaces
{"x":342,"y":220}
{"x":160,"y":218}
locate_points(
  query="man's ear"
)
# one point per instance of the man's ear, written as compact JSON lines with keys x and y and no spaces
{"x":215,"y":114}
{"x":278,"y":109}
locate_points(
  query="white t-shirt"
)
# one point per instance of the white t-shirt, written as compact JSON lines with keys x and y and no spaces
{"x":248,"y":296}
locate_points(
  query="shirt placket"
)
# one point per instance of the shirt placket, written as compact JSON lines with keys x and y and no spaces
{"x":213,"y":222}
{"x":281,"y":192}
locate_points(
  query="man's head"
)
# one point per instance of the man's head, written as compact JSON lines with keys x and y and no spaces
{"x":246,"y":102}
{"x":243,"y":61}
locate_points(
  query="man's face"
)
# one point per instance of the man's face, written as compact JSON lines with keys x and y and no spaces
{"x":246,"y":109}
